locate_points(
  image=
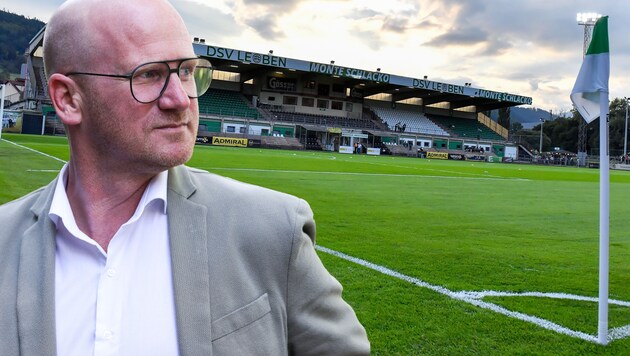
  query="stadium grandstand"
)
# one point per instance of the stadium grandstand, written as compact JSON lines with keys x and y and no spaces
{"x":272,"y":101}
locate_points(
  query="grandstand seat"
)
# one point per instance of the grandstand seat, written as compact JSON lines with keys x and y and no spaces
{"x":467,"y":128}
{"x":414,"y":122}
{"x":226,"y":103}
{"x":323,"y":120}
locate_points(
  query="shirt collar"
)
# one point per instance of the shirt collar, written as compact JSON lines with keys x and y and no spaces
{"x":60,"y":209}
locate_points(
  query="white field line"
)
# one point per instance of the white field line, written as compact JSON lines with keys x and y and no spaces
{"x":483,"y":294}
{"x":417,"y":168}
{"x":474,"y":298}
{"x":362,"y":174}
{"x":36,"y":151}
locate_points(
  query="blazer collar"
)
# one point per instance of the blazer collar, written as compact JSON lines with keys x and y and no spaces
{"x":36,"y":281}
{"x":189,"y":259}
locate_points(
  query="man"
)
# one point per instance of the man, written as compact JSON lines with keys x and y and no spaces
{"x":128,"y":252}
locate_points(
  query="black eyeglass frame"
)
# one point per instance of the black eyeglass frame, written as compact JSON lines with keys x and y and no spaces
{"x":129,"y":76}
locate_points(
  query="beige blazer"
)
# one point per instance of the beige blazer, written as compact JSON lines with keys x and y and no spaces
{"x":247,"y":280}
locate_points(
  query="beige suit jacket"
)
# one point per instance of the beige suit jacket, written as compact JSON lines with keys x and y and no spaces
{"x":247,"y":280}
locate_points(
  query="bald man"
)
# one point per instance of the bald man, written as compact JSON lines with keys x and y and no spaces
{"x":128,"y":251}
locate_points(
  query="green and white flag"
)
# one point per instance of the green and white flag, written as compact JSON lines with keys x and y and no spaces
{"x":593,"y":77}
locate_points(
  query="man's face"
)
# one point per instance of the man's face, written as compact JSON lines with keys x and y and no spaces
{"x":127,"y":134}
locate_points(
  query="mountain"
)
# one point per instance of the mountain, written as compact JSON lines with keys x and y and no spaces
{"x":528,"y":117}
{"x":15,"y":33}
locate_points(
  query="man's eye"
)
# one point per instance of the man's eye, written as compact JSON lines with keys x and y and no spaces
{"x":148,"y":75}
{"x":186,"y":72}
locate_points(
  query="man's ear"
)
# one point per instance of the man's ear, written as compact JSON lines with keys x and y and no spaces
{"x":65,"y":97}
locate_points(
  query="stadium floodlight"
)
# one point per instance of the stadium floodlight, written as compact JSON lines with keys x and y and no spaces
{"x":542,"y":123}
{"x":625,"y":136}
{"x":587,"y":18}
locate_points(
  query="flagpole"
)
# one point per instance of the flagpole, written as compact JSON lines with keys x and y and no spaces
{"x":604,"y":218}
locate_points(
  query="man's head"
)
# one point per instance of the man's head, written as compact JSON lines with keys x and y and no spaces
{"x":108,"y":128}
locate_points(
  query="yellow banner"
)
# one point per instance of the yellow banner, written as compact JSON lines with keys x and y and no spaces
{"x":437,"y":155}
{"x":229,"y":141}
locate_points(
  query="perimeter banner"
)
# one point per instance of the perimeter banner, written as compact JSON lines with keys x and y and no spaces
{"x":437,"y":155}
{"x":229,"y":141}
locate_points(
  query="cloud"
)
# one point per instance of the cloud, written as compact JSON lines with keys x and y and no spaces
{"x":265,"y":26}
{"x":263,"y":16}
{"x":395,"y":24}
{"x":207,"y":22}
{"x":495,"y":47}
{"x":460,"y":36}
{"x":39,"y":9}
{"x":363,"y":14}
{"x":371,"y":39}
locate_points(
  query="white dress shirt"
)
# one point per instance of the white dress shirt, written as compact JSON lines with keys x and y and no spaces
{"x":118,"y":302}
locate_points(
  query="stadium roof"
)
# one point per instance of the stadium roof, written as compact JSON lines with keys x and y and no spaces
{"x":251,"y":64}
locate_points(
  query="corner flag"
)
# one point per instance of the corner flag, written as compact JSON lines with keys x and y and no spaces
{"x":594,"y":73}
{"x":590,"y":96}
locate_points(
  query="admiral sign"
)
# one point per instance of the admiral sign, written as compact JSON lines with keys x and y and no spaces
{"x":229,"y":141}
{"x":437,"y":155}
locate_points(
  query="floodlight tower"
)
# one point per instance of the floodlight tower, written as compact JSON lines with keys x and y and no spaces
{"x":588,"y":20}
{"x":625,"y":135}
{"x":542,"y":123}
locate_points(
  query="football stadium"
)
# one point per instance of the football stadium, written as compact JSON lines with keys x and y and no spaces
{"x":445,"y":241}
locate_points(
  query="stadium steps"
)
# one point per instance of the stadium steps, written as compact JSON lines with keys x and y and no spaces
{"x":527,"y":152}
{"x":277,"y":142}
{"x":54,"y":126}
{"x":369,"y":114}
{"x":41,"y":83}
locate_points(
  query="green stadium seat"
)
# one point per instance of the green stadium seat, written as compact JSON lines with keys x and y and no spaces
{"x":226,"y":103}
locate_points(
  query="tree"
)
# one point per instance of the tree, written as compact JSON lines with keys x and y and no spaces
{"x":15,"y":33}
{"x":515,"y":127}
{"x":504,"y":117}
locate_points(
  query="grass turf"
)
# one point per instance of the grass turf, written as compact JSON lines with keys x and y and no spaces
{"x":461,"y":225}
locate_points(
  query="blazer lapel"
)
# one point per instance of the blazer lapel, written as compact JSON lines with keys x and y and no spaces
{"x":189,"y":259}
{"x":36,"y":282}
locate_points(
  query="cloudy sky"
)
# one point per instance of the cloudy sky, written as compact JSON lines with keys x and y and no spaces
{"x":532,"y":48}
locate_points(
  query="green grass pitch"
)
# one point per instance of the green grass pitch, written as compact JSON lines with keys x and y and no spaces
{"x":463,"y":226}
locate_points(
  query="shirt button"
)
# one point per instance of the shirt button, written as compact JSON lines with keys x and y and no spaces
{"x":111,"y":272}
{"x":107,"y":335}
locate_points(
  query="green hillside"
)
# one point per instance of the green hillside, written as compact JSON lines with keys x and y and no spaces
{"x":15,"y":33}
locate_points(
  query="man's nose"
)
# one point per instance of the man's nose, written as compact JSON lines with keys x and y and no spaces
{"x":175,"y":96}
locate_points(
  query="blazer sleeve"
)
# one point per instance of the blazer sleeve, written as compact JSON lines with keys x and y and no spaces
{"x":320,"y":322}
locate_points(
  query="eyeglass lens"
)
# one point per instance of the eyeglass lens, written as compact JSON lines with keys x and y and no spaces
{"x":149,"y":81}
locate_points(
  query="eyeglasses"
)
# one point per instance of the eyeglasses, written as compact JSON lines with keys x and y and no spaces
{"x":148,"y":81}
